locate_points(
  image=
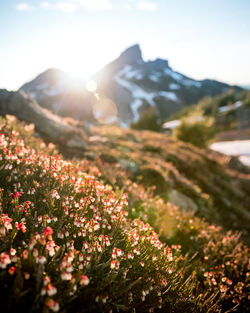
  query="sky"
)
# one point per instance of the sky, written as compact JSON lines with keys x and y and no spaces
{"x":199,"y":38}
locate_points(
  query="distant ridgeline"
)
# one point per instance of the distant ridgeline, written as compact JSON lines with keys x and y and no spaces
{"x":129,"y":84}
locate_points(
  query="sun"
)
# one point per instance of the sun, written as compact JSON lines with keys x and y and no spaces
{"x":80,"y":84}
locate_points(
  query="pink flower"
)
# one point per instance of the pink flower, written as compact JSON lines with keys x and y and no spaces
{"x":84,"y":280}
{"x":41,"y":259}
{"x":55,"y":194}
{"x":51,"y":290}
{"x":12,"y":270}
{"x":66,"y":276}
{"x":54,"y":306}
{"x":48,"y":231}
{"x":4,"y":260}
{"x":115,"y":264}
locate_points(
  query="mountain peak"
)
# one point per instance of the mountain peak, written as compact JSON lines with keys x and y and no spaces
{"x":132,"y":55}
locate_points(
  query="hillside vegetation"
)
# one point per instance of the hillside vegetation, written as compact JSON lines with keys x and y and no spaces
{"x":142,"y":223}
{"x":229,"y":114}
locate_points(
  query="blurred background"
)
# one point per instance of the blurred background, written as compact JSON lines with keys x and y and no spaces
{"x":147,"y":64}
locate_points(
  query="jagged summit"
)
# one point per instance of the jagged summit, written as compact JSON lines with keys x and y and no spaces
{"x":132,"y":55}
{"x":134,"y":85}
{"x":158,"y":63}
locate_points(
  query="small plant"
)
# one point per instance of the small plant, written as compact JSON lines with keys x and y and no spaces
{"x":67,"y":245}
{"x":70,"y":242}
{"x":197,"y":133}
{"x":148,"y":121}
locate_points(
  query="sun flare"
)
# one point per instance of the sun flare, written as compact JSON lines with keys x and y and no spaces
{"x":91,"y":85}
{"x":78,"y":84}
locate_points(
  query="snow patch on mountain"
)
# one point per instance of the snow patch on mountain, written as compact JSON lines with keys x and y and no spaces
{"x":169,"y":95}
{"x":135,"y":105}
{"x":174,"y":86}
{"x":176,"y":76}
{"x":133,"y":74}
{"x":181,"y":79}
{"x":155,"y":77}
{"x":139,"y":93}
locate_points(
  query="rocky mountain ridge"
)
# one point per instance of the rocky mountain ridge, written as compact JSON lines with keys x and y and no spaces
{"x":134,"y":85}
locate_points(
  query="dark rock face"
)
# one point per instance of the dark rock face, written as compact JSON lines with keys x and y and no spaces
{"x":54,"y":90}
{"x":46,"y":123}
{"x":132,"y":55}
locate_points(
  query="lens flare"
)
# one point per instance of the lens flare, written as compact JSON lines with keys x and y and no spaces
{"x":76,"y":83}
{"x":105,"y":110}
{"x":91,"y":85}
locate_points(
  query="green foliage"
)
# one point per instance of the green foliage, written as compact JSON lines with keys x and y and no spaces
{"x":148,"y":121}
{"x":246,"y":102}
{"x":197,"y":133}
{"x":66,"y":244}
{"x":70,"y":242}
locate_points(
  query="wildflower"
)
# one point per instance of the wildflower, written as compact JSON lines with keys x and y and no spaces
{"x":54,"y":306}
{"x":4,"y":260}
{"x":55,"y":194}
{"x":130,"y":255}
{"x":60,"y":235}
{"x":41,"y":259}
{"x":48,"y":231}
{"x":12,"y":270}
{"x":66,"y":276}
{"x":21,"y":226}
{"x":46,"y":280}
{"x":105,"y":298}
{"x":12,"y":251}
{"x":25,"y":254}
{"x":84,"y":280}
{"x":114,"y":264}
{"x":6,"y":223}
{"x":26,"y":275}
{"x":43,"y":291}
{"x":51,"y":290}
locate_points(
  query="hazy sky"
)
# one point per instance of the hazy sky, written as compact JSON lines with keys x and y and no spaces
{"x":200,"y":38}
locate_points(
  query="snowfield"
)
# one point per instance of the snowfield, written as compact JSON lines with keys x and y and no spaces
{"x":239,"y":148}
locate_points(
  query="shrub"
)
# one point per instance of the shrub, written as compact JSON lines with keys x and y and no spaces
{"x":66,"y":244}
{"x":148,"y":121}
{"x":69,"y":243}
{"x":198,"y":133}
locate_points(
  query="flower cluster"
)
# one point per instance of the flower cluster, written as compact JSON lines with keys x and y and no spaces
{"x":70,"y":243}
{"x":67,"y":235}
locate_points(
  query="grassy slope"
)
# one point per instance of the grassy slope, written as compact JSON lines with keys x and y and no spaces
{"x":228,"y":125}
{"x":203,"y":176}
{"x":212,"y":276}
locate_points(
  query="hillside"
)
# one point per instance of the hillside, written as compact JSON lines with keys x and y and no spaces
{"x":129,"y":83}
{"x":75,"y":235}
{"x":200,"y":180}
{"x":230,"y":113}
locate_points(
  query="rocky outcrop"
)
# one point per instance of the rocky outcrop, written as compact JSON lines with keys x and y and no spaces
{"x":49,"y":125}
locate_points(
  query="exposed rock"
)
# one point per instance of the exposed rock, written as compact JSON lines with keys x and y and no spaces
{"x":50,"y":126}
{"x":132,"y":55}
{"x":182,"y":201}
